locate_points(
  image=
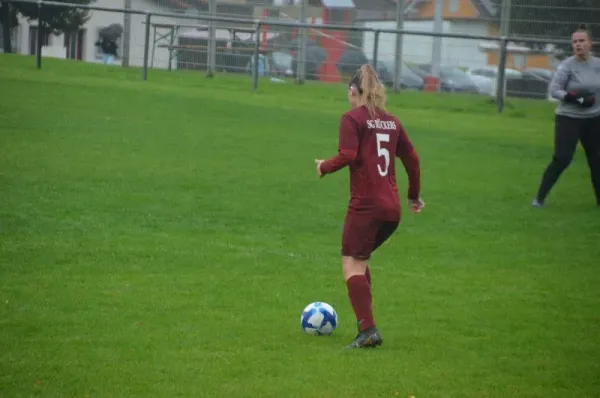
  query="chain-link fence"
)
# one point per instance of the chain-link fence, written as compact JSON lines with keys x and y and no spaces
{"x":458,"y":46}
{"x":530,"y":66}
{"x":550,"y":19}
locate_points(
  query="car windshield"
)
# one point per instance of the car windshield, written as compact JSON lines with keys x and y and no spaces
{"x":450,"y":72}
{"x":493,"y":73}
{"x":513,"y":73}
{"x":543,"y":72}
{"x":406,"y":71}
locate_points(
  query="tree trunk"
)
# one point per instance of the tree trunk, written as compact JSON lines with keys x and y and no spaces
{"x":5,"y":20}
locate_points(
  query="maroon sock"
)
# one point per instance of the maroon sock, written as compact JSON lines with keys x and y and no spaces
{"x":359,"y":292}
{"x":368,"y":275}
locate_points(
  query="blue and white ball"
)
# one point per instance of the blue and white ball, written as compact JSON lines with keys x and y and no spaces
{"x":318,"y":319}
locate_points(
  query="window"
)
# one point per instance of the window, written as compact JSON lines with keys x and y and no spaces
{"x":484,"y":72}
{"x":519,"y":61}
{"x":235,"y":10}
{"x":13,"y":39}
{"x":73,"y":44}
{"x":33,"y":32}
{"x":453,"y":6}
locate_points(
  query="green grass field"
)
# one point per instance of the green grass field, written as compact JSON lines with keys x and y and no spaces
{"x":160,"y":239}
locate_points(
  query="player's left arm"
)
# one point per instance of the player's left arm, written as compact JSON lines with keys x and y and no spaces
{"x":348,"y":148}
{"x":412,"y":164}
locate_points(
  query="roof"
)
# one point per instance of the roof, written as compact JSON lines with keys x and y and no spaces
{"x":486,"y":8}
{"x":175,"y":4}
{"x":375,"y":5}
{"x":338,"y":3}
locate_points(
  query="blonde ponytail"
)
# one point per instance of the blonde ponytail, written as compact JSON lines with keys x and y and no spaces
{"x":373,"y":91}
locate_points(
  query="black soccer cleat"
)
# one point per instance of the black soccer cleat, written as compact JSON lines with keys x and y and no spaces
{"x":368,"y":338}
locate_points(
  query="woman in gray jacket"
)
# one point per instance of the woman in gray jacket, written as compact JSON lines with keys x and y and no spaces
{"x":576,"y":84}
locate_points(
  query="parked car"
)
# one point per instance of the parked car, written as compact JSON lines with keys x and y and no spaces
{"x":492,"y":72}
{"x":528,"y":86}
{"x":486,"y":78}
{"x":545,"y":74}
{"x":408,"y":80}
{"x":526,"y":83}
{"x":350,"y":61}
{"x":314,"y":58}
{"x":452,"y":79}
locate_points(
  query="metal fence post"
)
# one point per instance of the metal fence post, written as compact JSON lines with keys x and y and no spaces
{"x":255,"y":60}
{"x":302,"y":42}
{"x":6,"y":22}
{"x":40,"y":36}
{"x":211,"y":58}
{"x":501,"y":75}
{"x":147,"y":44}
{"x":376,"y":48}
{"x":436,"y":48}
{"x":505,"y":18}
{"x":126,"y":34}
{"x":398,"y":54}
{"x":502,"y":40}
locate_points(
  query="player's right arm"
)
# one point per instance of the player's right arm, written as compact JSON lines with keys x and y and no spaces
{"x":412,"y":164}
{"x":348,"y":147}
{"x":559,"y":81}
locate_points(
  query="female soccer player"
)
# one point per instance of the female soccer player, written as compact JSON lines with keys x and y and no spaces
{"x":577,"y":85}
{"x":369,"y":137}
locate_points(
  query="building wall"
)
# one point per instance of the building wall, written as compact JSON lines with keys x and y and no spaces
{"x":98,"y":20}
{"x":15,"y":42}
{"x":418,"y":49}
{"x":518,"y":61}
{"x":453,"y":9}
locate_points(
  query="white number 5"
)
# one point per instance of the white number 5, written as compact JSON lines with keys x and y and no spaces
{"x":383,"y":152}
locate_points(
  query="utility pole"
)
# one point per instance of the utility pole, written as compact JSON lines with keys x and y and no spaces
{"x":399,"y":37}
{"x":505,"y":18}
{"x":438,"y":28}
{"x":212,"y":39}
{"x":301,"y":66}
{"x":126,"y":34}
{"x":504,"y":32}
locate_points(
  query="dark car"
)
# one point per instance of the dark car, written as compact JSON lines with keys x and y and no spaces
{"x":452,"y":79}
{"x":408,"y":79}
{"x":539,"y":72}
{"x":530,"y":85}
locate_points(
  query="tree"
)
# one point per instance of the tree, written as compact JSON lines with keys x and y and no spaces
{"x":8,"y":20}
{"x":56,"y":19}
{"x":551,"y":19}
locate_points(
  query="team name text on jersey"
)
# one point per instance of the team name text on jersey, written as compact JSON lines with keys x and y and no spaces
{"x":381,"y":124}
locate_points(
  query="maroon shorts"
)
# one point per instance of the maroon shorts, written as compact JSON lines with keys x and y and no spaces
{"x":363,"y":234}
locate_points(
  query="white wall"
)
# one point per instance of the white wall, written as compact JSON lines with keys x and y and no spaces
{"x":418,"y":49}
{"x":100,"y":19}
{"x":161,"y":55}
{"x":22,"y":46}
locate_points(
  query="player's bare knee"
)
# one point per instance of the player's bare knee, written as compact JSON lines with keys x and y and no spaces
{"x":353,"y":266}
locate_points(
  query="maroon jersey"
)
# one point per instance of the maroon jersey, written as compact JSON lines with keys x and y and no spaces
{"x":369,"y":145}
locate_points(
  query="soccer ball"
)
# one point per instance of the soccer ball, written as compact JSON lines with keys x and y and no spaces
{"x":318,"y":319}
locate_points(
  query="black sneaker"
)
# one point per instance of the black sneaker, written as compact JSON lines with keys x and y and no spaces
{"x":367,"y":339}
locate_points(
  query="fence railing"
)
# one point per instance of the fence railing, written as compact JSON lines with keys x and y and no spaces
{"x":305,"y":53}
